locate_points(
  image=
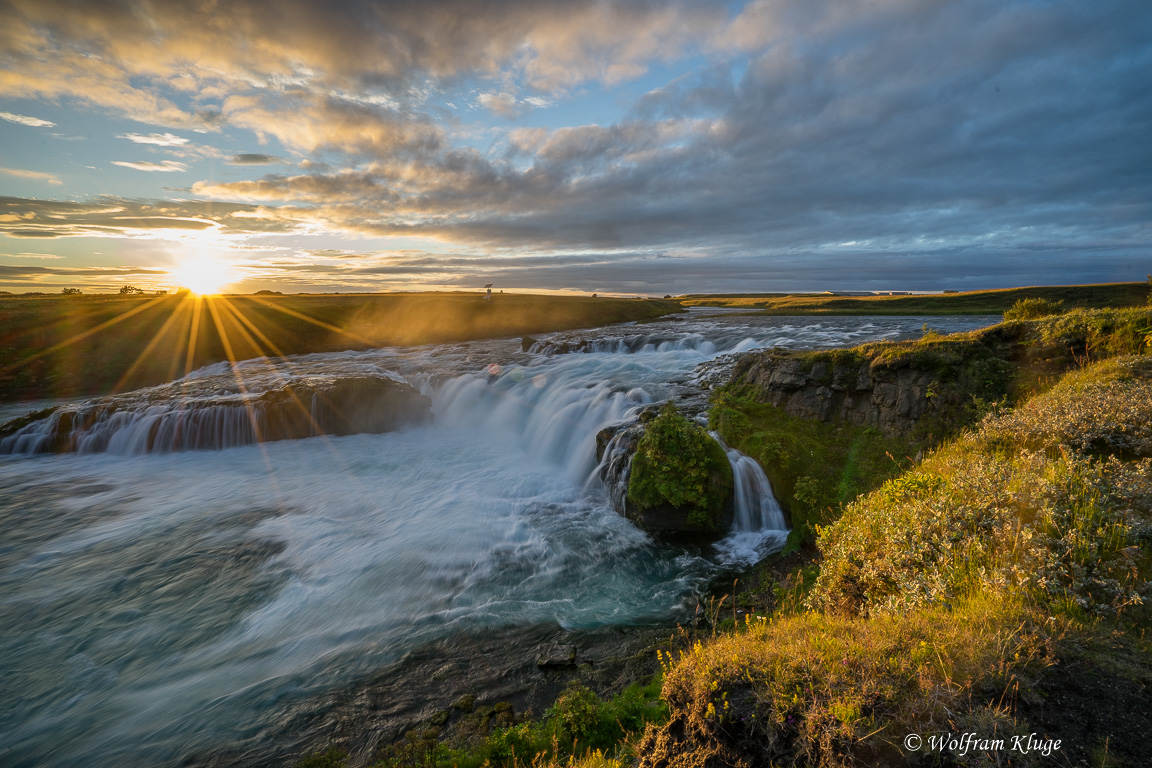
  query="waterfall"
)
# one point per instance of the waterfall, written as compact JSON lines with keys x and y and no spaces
{"x":756,"y":508}
{"x":191,"y":604}
{"x":206,"y":413}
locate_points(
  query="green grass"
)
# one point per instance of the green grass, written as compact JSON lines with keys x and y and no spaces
{"x":64,"y":346}
{"x":967,"y":303}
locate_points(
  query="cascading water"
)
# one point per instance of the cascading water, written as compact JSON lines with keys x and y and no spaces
{"x":756,"y":508}
{"x":156,"y":605}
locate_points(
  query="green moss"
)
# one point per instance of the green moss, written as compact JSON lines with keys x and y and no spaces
{"x":677,"y":464}
{"x":333,"y":758}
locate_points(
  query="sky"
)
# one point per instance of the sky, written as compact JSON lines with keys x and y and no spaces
{"x":613,"y":147}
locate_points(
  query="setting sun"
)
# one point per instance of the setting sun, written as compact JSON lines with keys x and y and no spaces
{"x":203,"y":274}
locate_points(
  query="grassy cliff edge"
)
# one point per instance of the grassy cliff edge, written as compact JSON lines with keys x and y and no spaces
{"x":969,"y":593}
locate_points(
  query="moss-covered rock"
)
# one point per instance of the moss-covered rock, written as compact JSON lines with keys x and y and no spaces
{"x":680,"y":480}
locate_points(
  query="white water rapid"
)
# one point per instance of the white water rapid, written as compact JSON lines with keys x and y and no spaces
{"x":161,"y":596}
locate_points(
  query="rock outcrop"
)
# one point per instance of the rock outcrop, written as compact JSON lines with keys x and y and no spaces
{"x":667,"y":475}
{"x":891,"y":387}
{"x":861,"y":393}
{"x":206,"y":413}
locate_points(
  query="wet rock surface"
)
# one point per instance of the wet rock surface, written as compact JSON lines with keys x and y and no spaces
{"x":460,"y":687}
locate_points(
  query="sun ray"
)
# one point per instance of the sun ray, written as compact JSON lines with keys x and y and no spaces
{"x":193,"y":333}
{"x":178,"y":312}
{"x":314,"y":321}
{"x":226,"y":342}
{"x":226,"y":305}
{"x":85,"y":334}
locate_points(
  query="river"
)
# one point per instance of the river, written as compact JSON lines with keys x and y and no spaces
{"x":156,"y":603}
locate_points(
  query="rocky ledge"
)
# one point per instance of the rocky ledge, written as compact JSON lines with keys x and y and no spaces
{"x":891,"y":387}
{"x":208,"y":413}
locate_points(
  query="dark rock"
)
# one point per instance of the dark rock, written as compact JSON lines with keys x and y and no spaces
{"x":556,"y":656}
{"x":873,"y":393}
{"x":526,"y":343}
{"x":342,"y":406}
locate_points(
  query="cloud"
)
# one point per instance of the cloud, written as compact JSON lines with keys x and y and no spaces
{"x":250,"y":158}
{"x":499,"y":103}
{"x":119,"y":217}
{"x":837,"y":140}
{"x":32,"y":256}
{"x":358,"y":42}
{"x":34,"y":122}
{"x":8,"y":272}
{"x":310,"y":122}
{"x":164,"y":166}
{"x":155,"y":139}
{"x":33,"y":175}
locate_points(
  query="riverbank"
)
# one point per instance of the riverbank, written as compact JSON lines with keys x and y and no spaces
{"x":67,"y":346}
{"x":995,"y":586}
{"x":1102,"y":296}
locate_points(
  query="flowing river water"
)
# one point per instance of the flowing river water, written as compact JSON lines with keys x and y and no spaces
{"x":156,"y":602}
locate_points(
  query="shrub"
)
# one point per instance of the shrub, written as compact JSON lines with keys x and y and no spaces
{"x":1029,"y":309}
{"x":823,"y":690}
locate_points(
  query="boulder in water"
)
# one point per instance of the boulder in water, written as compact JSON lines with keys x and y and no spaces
{"x":679,"y":480}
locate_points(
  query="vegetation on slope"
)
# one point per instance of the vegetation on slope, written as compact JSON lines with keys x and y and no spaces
{"x":817,"y":467}
{"x":954,"y":599}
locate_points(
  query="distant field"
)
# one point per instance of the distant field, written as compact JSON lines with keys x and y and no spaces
{"x":967,"y":303}
{"x":63,"y":346}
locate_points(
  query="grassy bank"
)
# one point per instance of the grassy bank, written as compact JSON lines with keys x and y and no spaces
{"x":63,"y":346}
{"x":972,"y":593}
{"x":966,"y":303}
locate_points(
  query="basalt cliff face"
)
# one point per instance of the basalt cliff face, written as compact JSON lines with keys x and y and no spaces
{"x":905,"y":389}
{"x":889,"y":397}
